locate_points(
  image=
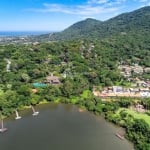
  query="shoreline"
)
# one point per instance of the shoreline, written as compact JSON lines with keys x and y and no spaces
{"x":80,"y":109}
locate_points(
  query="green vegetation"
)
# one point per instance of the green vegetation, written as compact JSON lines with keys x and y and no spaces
{"x":137,"y":115}
{"x":91,"y":60}
{"x":136,"y":125}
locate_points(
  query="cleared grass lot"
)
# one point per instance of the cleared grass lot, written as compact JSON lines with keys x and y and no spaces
{"x":137,"y":115}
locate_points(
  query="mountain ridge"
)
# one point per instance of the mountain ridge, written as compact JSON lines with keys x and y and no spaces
{"x":137,"y":20}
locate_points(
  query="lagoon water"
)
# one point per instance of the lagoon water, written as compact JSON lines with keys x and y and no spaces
{"x":60,"y":127}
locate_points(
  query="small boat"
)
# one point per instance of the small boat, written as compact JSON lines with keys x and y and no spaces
{"x":35,"y":113}
{"x":2,"y":126}
{"x":119,"y":136}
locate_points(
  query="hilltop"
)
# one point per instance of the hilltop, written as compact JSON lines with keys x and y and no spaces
{"x":138,"y":20}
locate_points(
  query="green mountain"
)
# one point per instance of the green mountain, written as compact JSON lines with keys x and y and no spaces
{"x":80,"y":29}
{"x":138,"y":20}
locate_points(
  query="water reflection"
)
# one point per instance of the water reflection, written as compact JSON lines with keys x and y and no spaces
{"x":61,"y":127}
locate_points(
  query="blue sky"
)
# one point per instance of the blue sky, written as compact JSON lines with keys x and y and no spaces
{"x":56,"y":15}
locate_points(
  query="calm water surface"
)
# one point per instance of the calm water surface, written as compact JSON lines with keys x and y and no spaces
{"x":60,"y":127}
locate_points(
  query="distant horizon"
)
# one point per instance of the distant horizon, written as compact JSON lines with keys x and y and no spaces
{"x":27,"y":31}
{"x":57,"y":15}
{"x":22,"y":33}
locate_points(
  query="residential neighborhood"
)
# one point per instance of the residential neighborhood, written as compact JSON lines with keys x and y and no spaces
{"x":120,"y":91}
{"x":139,"y":87}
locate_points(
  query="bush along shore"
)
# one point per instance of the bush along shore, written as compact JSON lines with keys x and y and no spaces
{"x":115,"y":111}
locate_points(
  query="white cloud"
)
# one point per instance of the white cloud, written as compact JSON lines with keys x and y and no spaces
{"x":143,"y":1}
{"x":97,"y":1}
{"x":90,"y":8}
{"x":106,"y":1}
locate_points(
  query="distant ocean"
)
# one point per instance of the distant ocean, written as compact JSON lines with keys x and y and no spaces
{"x":21,"y":33}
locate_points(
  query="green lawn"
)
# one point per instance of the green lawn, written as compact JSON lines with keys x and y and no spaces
{"x":137,"y":115}
{"x":85,"y":94}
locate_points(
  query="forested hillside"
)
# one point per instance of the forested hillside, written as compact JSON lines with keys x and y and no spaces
{"x":79,"y":65}
{"x":69,"y":65}
{"x":134,"y":22}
